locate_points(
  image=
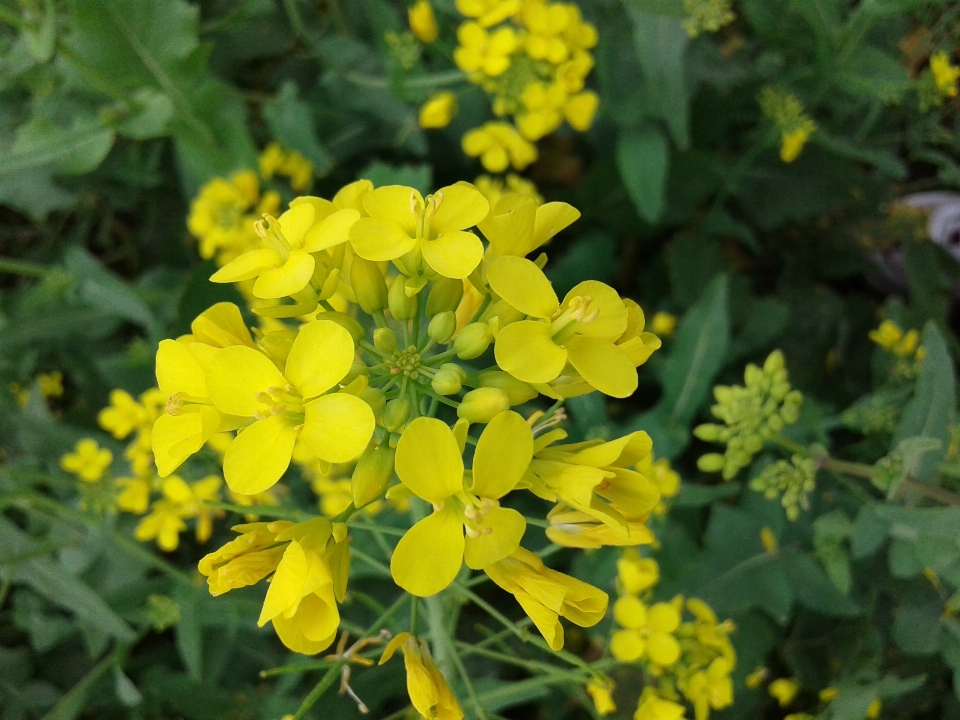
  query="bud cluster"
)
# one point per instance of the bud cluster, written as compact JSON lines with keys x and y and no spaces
{"x":792,"y":481}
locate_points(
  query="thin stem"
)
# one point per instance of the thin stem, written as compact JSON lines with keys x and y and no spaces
{"x":22,"y":267}
{"x":319,"y":689}
{"x":533,"y":666}
{"x":372,"y":562}
{"x":849,"y":468}
{"x":931,"y":491}
{"x":414,"y":609}
{"x":439,"y":638}
{"x":791,"y":446}
{"x":372,"y":527}
{"x":465,"y":678}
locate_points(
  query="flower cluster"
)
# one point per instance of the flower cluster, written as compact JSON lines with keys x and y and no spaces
{"x":684,"y":659}
{"x":706,"y":15}
{"x":49,"y":384}
{"x":752,"y":414}
{"x":788,"y":114}
{"x":791,"y":481}
{"x":397,"y":332}
{"x":939,"y":82}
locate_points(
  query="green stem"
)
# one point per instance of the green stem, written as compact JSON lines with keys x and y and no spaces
{"x":533,"y":666}
{"x":465,"y":678}
{"x":74,"y":701}
{"x":414,"y":609}
{"x":22,"y":267}
{"x":319,"y":689}
{"x":270,"y":511}
{"x":345,"y":515}
{"x":849,"y":468}
{"x":791,"y":446}
{"x":536,"y":522}
{"x":931,"y":491}
{"x":439,"y":639}
{"x":450,"y":77}
{"x":433,"y":359}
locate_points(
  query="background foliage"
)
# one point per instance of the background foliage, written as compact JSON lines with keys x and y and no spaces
{"x":112,"y":115}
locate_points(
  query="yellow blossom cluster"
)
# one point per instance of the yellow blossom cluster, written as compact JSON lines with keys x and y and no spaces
{"x":945,"y":74}
{"x":895,"y":341}
{"x":405,"y":347}
{"x":275,"y":161}
{"x":679,"y":643}
{"x":788,"y":114}
{"x":49,"y":384}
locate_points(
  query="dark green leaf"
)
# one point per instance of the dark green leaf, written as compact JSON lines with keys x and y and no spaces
{"x":643,"y":157}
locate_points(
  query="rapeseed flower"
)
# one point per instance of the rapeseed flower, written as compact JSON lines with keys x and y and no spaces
{"x":499,"y":146}
{"x":428,"y":690}
{"x":438,"y":110}
{"x":784,"y":690}
{"x":88,"y":461}
{"x":483,"y":51}
{"x":647,"y":631}
{"x":423,"y":23}
{"x":945,"y":74}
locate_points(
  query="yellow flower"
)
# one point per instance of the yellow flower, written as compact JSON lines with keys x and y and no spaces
{"x":576,"y":529}
{"x":873,"y":709}
{"x":488,"y":12}
{"x":517,"y":225}
{"x":164,"y":524}
{"x":580,"y":109}
{"x":429,"y":693}
{"x":245,"y":560}
{"x":482,"y":51}
{"x":88,"y":460}
{"x":547,"y":595}
{"x":546,"y":23}
{"x":298,"y":169}
{"x":945,"y":74}
{"x":543,"y":105}
{"x":792,"y":141}
{"x":423,"y":22}
{"x":123,"y":415}
{"x":191,"y":500}
{"x":499,"y":145}
{"x":402,"y":222}
{"x":756,"y":678}
{"x":219,"y":215}
{"x":664,"y":478}
{"x":134,"y":495}
{"x":637,"y":574}
{"x":711,"y":688}
{"x":784,"y":690}
{"x":429,"y":463}
{"x":653,"y":707}
{"x":271,"y":160}
{"x":51,"y":384}
{"x":439,"y":110}
{"x":664,"y":324}
{"x":601,"y":694}
{"x":286,"y":406}
{"x":647,"y":632}
{"x":892,"y":338}
{"x":494,"y":188}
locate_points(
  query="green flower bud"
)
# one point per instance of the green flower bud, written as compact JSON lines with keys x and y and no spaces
{"x":753,"y":444}
{"x":483,"y":404}
{"x":368,"y":285}
{"x":385,"y":340}
{"x":356,"y":370}
{"x":723,"y":393}
{"x":345,"y":321}
{"x":372,"y":474}
{"x":710,"y":463}
{"x":442,"y":327}
{"x":708,"y":432}
{"x":453,"y":367}
{"x":445,"y":296}
{"x":753,"y":376}
{"x":773,"y":363}
{"x":375,"y":398}
{"x":395,"y":414}
{"x":446,"y":382}
{"x":518,"y":391}
{"x":401,"y":306}
{"x":473,"y":341}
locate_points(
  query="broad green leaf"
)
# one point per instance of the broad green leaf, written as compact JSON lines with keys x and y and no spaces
{"x":189,"y":632}
{"x":813,"y":589}
{"x":291,"y":124}
{"x":592,"y":257}
{"x":152,"y":111}
{"x":101,"y":289}
{"x":415,"y":176}
{"x":69,"y":150}
{"x":916,"y":627}
{"x":873,"y":73}
{"x":643,"y":157}
{"x":692,"y":496}
{"x":885,"y":161}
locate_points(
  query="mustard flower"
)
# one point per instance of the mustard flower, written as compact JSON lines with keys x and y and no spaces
{"x":483,"y":51}
{"x":546,"y":23}
{"x":122,"y":416}
{"x":494,"y":188}
{"x":134,"y":494}
{"x":664,"y":323}
{"x":499,"y":145}
{"x":576,"y":529}
{"x":647,"y":632}
{"x":438,"y":110}
{"x":164,"y":524}
{"x":429,"y":693}
{"x":945,"y":74}
{"x":637,"y":574}
{"x":654,"y":707}
{"x":488,"y":12}
{"x":423,"y":23}
{"x":602,"y":695}
{"x":88,"y":461}
{"x":784,"y":690}
{"x":711,"y":688}
{"x":518,"y":225}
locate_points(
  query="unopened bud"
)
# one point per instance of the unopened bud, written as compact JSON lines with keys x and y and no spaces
{"x":372,"y":474}
{"x":483,"y":404}
{"x":518,"y":391}
{"x":473,"y":341}
{"x":395,"y":414}
{"x":385,"y":340}
{"x":708,"y":432}
{"x":375,"y":399}
{"x":345,"y":321}
{"x":402,"y":307}
{"x":447,"y":381}
{"x":445,"y":295}
{"x":710,"y":463}
{"x":368,"y":285}
{"x":773,"y":363}
{"x":442,"y":327}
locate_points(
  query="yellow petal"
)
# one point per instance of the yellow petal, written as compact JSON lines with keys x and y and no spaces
{"x":428,"y":460}
{"x":509,"y":226}
{"x":221,"y":325}
{"x":663,"y":617}
{"x":626,"y":645}
{"x":337,"y":427}
{"x":176,"y":437}
{"x":522,"y":284}
{"x":611,"y":321}
{"x":285,"y":588}
{"x":629,"y":612}
{"x":506,"y":531}
{"x":454,"y":254}
{"x":259,"y":455}
{"x":463,"y":206}
{"x":292,"y":277}
{"x":552,"y":217}
{"x":178,"y":371}
{"x":314,"y":614}
{"x":351,"y":196}
{"x":525,"y":350}
{"x":603,"y":365}
{"x":622,"y":452}
{"x":663,"y":649}
{"x":397,"y":203}
{"x":320,"y":356}
{"x":546,"y":620}
{"x":330,"y":231}
{"x":428,"y":557}
{"x":378,"y":239}
{"x":421,"y":686}
{"x":295,"y":222}
{"x":235,"y":375}
{"x":247,"y":266}
{"x":503,"y":454}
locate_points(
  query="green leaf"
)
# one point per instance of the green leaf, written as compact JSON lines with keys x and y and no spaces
{"x":872,"y":73}
{"x":886,"y":161}
{"x":829,"y":532}
{"x":592,"y":257}
{"x":916,"y":627}
{"x":932,"y":410}
{"x":153,"y":110}
{"x":380,"y":173}
{"x":813,"y":589}
{"x":643,"y":157}
{"x":291,"y":124}
{"x":692,"y":496}
{"x":189,"y":632}
{"x":867,"y":533}
{"x":126,"y":691}
{"x":101,"y":289}
{"x":69,"y":150}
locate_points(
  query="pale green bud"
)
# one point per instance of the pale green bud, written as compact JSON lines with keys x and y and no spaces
{"x":395,"y":414}
{"x":368,"y":285}
{"x":710,"y":463}
{"x":708,"y":432}
{"x":518,"y":391}
{"x":483,"y":404}
{"x":372,"y":474}
{"x":442,"y":327}
{"x":345,"y":321}
{"x":723,"y":393}
{"x":473,"y":341}
{"x":773,"y":363}
{"x":374,"y":398}
{"x":447,"y":382}
{"x":402,"y":307}
{"x":453,"y":367}
{"x":753,"y":376}
{"x":385,"y":340}
{"x":445,"y":296}
{"x":753,"y":444}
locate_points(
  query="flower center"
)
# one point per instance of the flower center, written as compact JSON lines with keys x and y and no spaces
{"x":276,"y":400}
{"x":406,"y":362}
{"x":564,"y":322}
{"x":475,"y":514}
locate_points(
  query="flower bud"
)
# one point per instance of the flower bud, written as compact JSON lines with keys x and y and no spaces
{"x":372,"y":474}
{"x":444,"y":295}
{"x":345,"y":321}
{"x":773,"y":363}
{"x":368,"y":285}
{"x":473,"y":341}
{"x":447,"y":381}
{"x":483,"y":404}
{"x":518,"y":391}
{"x":710,"y":463}
{"x":442,"y":327}
{"x":401,"y":306}
{"x":375,"y":399}
{"x":708,"y":432}
{"x":395,"y":414}
{"x":385,"y":340}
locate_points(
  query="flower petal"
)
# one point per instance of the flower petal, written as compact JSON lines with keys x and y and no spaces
{"x":286,"y":586}
{"x":397,"y":203}
{"x":603,"y":365}
{"x":259,"y":455}
{"x":663,"y":649}
{"x":626,"y":645}
{"x":178,"y":371}
{"x":321,"y":355}
{"x":378,"y":239}
{"x":235,"y":375}
{"x":428,"y":557}
{"x":292,"y":277}
{"x":611,"y":321}
{"x":428,"y":460}
{"x":337,"y":427}
{"x":176,"y":437}
{"x":295,"y":222}
{"x":312,"y":616}
{"x":247,"y":266}
{"x":510,"y":225}
{"x":506,"y":531}
{"x":502,"y":456}
{"x":462,"y":207}
{"x":546,"y":620}
{"x":330,"y":231}
{"x":522,"y":284}
{"x":454,"y":254}
{"x":525,"y":350}
{"x":552,"y":217}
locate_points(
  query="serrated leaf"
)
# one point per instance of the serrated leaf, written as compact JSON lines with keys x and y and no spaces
{"x":643,"y":157}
